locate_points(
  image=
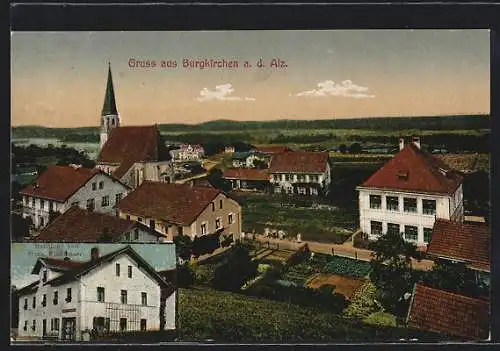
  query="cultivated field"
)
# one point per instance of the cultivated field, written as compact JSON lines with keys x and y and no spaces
{"x":346,"y":286}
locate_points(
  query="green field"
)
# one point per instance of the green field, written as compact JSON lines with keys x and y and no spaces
{"x":206,"y":314}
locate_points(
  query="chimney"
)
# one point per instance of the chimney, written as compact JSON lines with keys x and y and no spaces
{"x":416,"y":141}
{"x":94,"y":253}
{"x":401,"y":143}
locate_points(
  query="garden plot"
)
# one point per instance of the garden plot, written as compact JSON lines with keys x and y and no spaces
{"x":346,"y":286}
{"x":267,"y":254}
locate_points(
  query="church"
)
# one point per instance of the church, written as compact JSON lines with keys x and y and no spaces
{"x":132,"y":154}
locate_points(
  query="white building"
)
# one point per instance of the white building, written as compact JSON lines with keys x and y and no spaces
{"x":408,"y":193}
{"x":77,"y":225}
{"x":303,"y":173}
{"x":60,"y":187}
{"x":131,"y":154}
{"x":119,"y":291}
{"x":187,"y":153}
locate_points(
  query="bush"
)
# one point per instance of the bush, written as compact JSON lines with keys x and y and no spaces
{"x":234,"y":271}
{"x":205,"y":244}
{"x":204,"y":274}
{"x":364,"y":302}
{"x":185,"y":275}
{"x":382,"y":319}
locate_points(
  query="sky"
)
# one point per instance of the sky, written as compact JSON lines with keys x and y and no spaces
{"x":24,"y":256}
{"x":59,"y":78}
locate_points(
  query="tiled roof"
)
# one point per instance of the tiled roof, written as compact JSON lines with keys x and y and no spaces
{"x":445,"y":312}
{"x":461,"y":241}
{"x":79,"y":225}
{"x":246,"y":174}
{"x":127,"y":145}
{"x":302,"y":162}
{"x":59,"y":182}
{"x":272,"y":149}
{"x":412,"y":169}
{"x":174,"y":203}
{"x":60,"y":265}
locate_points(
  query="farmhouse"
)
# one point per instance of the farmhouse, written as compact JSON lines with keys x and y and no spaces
{"x":182,"y":209}
{"x":408,"y":193}
{"x":463,"y":243}
{"x":187,"y":153}
{"x":304,"y":173}
{"x":247,"y":178}
{"x":247,"y":159}
{"x":444,"y":312}
{"x":60,"y":187}
{"x":131,"y":154}
{"x":119,"y":291}
{"x":78,"y":225}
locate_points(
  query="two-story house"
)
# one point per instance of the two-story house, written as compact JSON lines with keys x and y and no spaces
{"x":60,"y":187}
{"x":187,"y":152}
{"x":408,"y":193}
{"x":118,"y":291}
{"x":78,"y":225}
{"x":303,"y":173}
{"x":182,"y":209}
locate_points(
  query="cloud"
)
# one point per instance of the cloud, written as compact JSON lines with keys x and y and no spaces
{"x":346,"y":89}
{"x":221,"y":92}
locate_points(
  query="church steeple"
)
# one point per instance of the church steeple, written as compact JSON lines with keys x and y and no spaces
{"x":109,"y":107}
{"x":110,"y":117}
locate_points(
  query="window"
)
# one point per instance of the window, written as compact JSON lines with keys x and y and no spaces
{"x":144,"y":299}
{"x":230,"y":219}
{"x":75,"y":203}
{"x":54,"y":324}
{"x":105,"y":201}
{"x":56,"y":298}
{"x":100,"y":294}
{"x":375,"y":228}
{"x":128,"y":217}
{"x":33,"y":326}
{"x":94,"y":186}
{"x":68,"y":295}
{"x":44,"y":277}
{"x":392,"y":203}
{"x":25,"y":325}
{"x":429,"y":207}
{"x":25,"y":304}
{"x":287,"y":177}
{"x":410,"y":204}
{"x":203,"y":229}
{"x":375,"y":201}
{"x":123,"y":324}
{"x":411,"y":233}
{"x":118,"y":197}
{"x":130,"y":271}
{"x":42,"y":203}
{"x":393,"y":228}
{"x":90,"y":204}
{"x":101,"y":185}
{"x":44,"y":300}
{"x":41,"y":221}
{"x":34,"y":302}
{"x":218,"y":224}
{"x":427,"y":235}
{"x":127,"y":236}
{"x":139,"y":219}
{"x":220,"y":204}
{"x":143,"y":325}
{"x":124,"y":296}
{"x":33,"y":202}
{"x":152,"y":224}
{"x":213,"y":207}
{"x":301,"y":190}
{"x":117,"y":269}
{"x":136,"y":234}
{"x":52,"y":206}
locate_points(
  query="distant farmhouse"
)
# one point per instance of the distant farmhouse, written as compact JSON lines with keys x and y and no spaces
{"x":60,"y":187}
{"x":247,"y":178}
{"x":116,"y":292}
{"x":131,"y":154}
{"x":77,"y":225}
{"x":408,"y":193}
{"x":247,"y":159}
{"x":187,"y":153}
{"x":182,"y":209}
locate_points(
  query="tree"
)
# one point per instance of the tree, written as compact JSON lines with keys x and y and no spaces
{"x":355,"y":148}
{"x":259,"y":164}
{"x":214,"y":177}
{"x":342,"y":148}
{"x":392,"y":271}
{"x":235,"y":270}
{"x":183,"y":247}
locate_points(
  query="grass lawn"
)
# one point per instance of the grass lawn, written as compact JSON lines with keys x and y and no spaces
{"x":206,"y":314}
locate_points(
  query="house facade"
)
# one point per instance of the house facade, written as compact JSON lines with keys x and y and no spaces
{"x":182,"y":209}
{"x":188,"y":152}
{"x":116,"y":292}
{"x":302,"y":173}
{"x":408,"y":193}
{"x":60,"y":187}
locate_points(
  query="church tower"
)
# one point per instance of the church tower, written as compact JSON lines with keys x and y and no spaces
{"x":109,"y":115}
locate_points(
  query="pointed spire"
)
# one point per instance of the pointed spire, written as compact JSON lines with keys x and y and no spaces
{"x":109,"y":107}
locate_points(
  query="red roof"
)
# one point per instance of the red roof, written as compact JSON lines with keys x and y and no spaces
{"x":272,"y":149}
{"x":445,"y":312}
{"x":60,"y":182}
{"x":127,"y":145}
{"x":174,"y":203}
{"x":301,"y":162}
{"x":246,"y":174}
{"x":79,"y":225}
{"x":461,"y":241}
{"x":412,"y":169}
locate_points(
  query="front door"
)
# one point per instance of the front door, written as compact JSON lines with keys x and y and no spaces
{"x":44,"y":327}
{"x":68,"y":329}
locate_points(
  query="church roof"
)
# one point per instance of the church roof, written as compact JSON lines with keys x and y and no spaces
{"x":109,"y":107}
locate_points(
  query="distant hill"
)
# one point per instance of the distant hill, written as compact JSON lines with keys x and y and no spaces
{"x":375,"y":123}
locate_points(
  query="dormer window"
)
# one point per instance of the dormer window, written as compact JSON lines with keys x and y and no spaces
{"x":402,"y":175}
